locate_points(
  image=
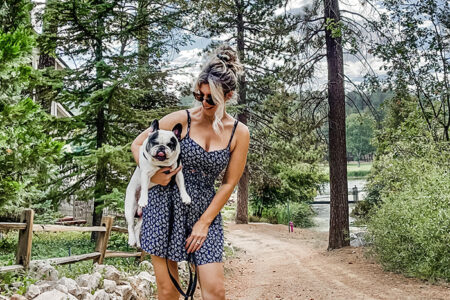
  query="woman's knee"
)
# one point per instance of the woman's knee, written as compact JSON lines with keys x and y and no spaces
{"x":212,"y":281}
{"x":214,"y":291}
{"x":167,"y":292}
{"x":166,"y":289}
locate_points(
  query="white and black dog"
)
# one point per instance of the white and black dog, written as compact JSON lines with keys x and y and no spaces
{"x":160,"y":149}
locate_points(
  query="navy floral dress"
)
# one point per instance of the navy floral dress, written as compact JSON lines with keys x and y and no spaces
{"x":200,"y":170}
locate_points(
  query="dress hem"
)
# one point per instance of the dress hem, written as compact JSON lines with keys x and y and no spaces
{"x":177,"y":259}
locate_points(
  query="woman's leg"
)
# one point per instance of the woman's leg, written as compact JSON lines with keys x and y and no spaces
{"x":212,"y":282}
{"x":166,"y":289}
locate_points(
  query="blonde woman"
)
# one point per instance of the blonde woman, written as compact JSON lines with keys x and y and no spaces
{"x":211,"y":141}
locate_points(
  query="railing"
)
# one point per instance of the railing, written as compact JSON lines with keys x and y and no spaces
{"x":26,"y":229}
{"x":354,"y":193}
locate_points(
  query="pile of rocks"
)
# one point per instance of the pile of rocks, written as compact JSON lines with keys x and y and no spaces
{"x":359,"y":239}
{"x":105,"y":283}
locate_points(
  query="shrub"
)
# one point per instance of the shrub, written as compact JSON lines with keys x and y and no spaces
{"x":410,"y":230}
{"x":300,"y":214}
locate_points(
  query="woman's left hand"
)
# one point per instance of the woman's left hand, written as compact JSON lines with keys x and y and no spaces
{"x":197,"y":236}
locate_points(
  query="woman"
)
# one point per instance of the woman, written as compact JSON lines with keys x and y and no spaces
{"x":211,"y":141}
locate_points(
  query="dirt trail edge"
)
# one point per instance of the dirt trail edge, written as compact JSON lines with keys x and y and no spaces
{"x":271,"y":263}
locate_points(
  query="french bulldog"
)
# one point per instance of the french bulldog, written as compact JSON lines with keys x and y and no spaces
{"x":160,"y":149}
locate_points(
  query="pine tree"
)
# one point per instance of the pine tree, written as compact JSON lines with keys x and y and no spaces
{"x":117,"y":87}
{"x":259,"y":35}
{"x":28,"y":153}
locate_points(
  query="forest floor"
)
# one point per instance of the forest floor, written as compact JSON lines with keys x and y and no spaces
{"x":271,"y":263}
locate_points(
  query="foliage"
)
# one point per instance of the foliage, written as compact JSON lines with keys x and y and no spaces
{"x":359,"y":133}
{"x":16,"y":42}
{"x":410,"y":229}
{"x":413,"y":43}
{"x":284,"y":161}
{"x":403,"y":134}
{"x":116,"y":86}
{"x":299,"y":213}
{"x":28,"y":153}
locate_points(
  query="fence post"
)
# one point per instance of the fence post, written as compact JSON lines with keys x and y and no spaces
{"x":355,"y":193}
{"x":23,"y":254}
{"x":102,"y":239}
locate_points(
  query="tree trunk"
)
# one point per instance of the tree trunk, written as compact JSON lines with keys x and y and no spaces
{"x":100,"y":176}
{"x":242,"y":196}
{"x":44,"y":93}
{"x":143,"y":49}
{"x":339,"y":223}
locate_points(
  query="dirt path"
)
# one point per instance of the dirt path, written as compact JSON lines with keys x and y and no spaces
{"x":272,"y":264}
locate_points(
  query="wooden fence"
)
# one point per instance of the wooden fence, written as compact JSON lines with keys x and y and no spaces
{"x":26,"y":229}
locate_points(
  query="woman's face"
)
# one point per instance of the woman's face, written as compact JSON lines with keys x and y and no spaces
{"x":206,"y":91}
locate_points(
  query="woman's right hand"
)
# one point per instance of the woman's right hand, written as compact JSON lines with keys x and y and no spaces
{"x":163,"y":179}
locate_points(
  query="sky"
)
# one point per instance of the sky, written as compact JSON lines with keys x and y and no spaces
{"x":353,"y":68}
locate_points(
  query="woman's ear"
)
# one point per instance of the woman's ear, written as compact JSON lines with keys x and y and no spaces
{"x":228,"y":95}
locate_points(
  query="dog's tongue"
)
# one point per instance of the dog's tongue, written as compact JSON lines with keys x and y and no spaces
{"x":162,"y":154}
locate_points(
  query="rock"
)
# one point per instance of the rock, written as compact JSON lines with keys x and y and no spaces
{"x":61,"y":288}
{"x":109,"y":285}
{"x":33,"y":291}
{"x":124,"y":291}
{"x":45,"y":286}
{"x":109,"y":272}
{"x":142,"y":285}
{"x":89,"y":281}
{"x":101,"y":295}
{"x":114,"y":297}
{"x":72,"y":286}
{"x":112,"y":273}
{"x":43,"y":270}
{"x":143,"y":290}
{"x":17,"y":284}
{"x":358,"y":239}
{"x":147,"y":277}
{"x":54,"y":295}
{"x":86,"y":296}
{"x":18,"y":297}
{"x":146,"y":265}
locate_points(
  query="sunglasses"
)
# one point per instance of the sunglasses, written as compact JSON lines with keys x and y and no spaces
{"x":200,"y":97}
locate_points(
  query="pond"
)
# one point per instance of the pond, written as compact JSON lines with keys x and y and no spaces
{"x":322,"y":220}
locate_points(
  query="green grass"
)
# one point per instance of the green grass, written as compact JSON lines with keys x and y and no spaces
{"x":353,"y":171}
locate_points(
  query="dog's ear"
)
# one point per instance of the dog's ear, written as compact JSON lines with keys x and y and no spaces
{"x":177,"y":130}
{"x":154,"y":126}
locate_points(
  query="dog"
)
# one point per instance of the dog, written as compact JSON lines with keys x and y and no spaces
{"x":160,"y":149}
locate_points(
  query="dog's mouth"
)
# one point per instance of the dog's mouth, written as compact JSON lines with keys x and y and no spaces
{"x":160,"y":156}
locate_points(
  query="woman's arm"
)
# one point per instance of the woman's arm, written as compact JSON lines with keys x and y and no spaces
{"x":231,"y":178}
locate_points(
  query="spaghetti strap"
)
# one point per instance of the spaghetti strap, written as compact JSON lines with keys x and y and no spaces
{"x":232,"y":133}
{"x":189,"y":122}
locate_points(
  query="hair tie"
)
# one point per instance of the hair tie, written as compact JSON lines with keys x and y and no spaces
{"x":223,"y":57}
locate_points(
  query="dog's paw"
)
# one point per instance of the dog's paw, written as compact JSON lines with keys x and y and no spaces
{"x":131,"y":240}
{"x":186,"y":199}
{"x":142,"y":202}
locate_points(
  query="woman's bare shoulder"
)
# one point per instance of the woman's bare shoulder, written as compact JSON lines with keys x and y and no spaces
{"x":170,"y":120}
{"x":242,"y":137}
{"x":242,"y":130}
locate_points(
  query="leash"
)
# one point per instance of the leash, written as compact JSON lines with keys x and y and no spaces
{"x":191,"y":258}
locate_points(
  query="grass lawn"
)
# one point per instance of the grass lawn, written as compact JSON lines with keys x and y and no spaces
{"x":353,"y":171}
